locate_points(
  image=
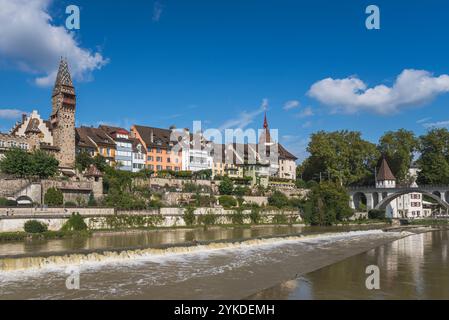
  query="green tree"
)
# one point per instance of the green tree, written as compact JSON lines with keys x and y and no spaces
{"x":43,"y":165}
{"x":54,"y":197}
{"x":83,"y":160}
{"x":16,"y":162}
{"x":278,"y":199}
{"x":226,"y":186}
{"x":327,"y":204}
{"x":399,"y":148}
{"x":342,"y":156}
{"x":227,"y":201}
{"x":434,"y":159}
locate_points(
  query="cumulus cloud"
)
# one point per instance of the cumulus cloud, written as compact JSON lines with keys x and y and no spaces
{"x":438,"y":124}
{"x":30,"y":41}
{"x":11,"y":113}
{"x":245,"y":118}
{"x":351,"y":95}
{"x":292,"y":104}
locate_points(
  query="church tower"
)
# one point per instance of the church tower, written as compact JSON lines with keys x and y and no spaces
{"x":63,"y":116}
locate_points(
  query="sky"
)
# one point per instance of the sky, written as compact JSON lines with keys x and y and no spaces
{"x":311,"y":65}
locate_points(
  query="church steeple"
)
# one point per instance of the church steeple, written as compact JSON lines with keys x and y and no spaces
{"x":266,"y":138}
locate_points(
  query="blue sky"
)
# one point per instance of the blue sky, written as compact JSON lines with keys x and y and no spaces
{"x":170,"y":62}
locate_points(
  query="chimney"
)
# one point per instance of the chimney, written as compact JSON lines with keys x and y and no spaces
{"x":152,"y":137}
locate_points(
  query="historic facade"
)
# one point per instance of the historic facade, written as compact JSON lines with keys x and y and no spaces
{"x":57,"y":135}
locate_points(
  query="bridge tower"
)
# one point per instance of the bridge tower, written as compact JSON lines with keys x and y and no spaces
{"x":385,"y":178}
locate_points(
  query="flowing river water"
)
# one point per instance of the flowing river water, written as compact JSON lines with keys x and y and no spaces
{"x":217,"y":263}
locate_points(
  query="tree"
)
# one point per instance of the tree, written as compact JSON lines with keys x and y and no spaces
{"x":43,"y":165}
{"x":54,"y":197}
{"x":278,"y":199}
{"x":19,"y":163}
{"x":16,"y":162}
{"x":326,"y":204}
{"x":399,"y":148}
{"x":83,"y":160}
{"x":342,"y":156}
{"x":434,"y":159}
{"x":226,"y":186}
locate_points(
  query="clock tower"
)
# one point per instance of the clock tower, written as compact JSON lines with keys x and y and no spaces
{"x":63,"y":116}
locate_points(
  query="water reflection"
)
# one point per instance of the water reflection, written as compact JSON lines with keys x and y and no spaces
{"x":414,"y":267}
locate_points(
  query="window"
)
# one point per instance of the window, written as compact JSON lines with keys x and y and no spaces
{"x":158,"y":159}
{"x":151,"y":167}
{"x":169,"y":168}
{"x":150,"y":158}
{"x":168,"y":160}
{"x":150,"y":150}
{"x":158,"y":150}
{"x":159,"y":168}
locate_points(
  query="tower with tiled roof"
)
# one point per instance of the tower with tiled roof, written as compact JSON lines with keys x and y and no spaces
{"x":385,"y":178}
{"x":63,"y":116}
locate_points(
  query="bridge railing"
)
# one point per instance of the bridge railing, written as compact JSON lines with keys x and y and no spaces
{"x":399,"y":187}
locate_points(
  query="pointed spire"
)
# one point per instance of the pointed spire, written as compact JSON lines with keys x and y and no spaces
{"x":265,"y":122}
{"x":385,"y":172}
{"x":63,"y":77}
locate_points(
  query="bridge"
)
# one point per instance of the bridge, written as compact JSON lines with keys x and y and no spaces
{"x":380,"y":198}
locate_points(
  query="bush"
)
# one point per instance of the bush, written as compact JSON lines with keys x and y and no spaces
{"x":34,"y":226}
{"x":189,"y":216}
{"x":280,"y":219}
{"x":54,"y":197}
{"x":75,"y":223}
{"x":70,"y":204}
{"x":278,"y":199}
{"x":92,"y":202}
{"x":226,"y":186}
{"x":255,"y":215}
{"x":155,"y":204}
{"x":7,"y":203}
{"x":377,"y":214}
{"x":227,"y":201}
{"x":208,"y":219}
{"x":238,"y":217}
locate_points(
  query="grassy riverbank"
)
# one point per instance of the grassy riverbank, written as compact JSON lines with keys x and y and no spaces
{"x":48,"y":235}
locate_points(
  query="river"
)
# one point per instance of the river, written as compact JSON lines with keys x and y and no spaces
{"x":224,"y":263}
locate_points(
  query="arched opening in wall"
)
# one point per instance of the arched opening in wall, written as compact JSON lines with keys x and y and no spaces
{"x":375,"y":199}
{"x":24,"y":201}
{"x":437,"y":193}
{"x":431,"y":207}
{"x":360,"y":201}
{"x":446,"y":196}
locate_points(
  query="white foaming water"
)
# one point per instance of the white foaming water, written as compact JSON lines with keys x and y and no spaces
{"x":29,"y":266}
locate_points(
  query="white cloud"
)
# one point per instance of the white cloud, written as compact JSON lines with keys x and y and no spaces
{"x":306,"y":112}
{"x":11,"y":113}
{"x":423,"y":120}
{"x":245,"y":118}
{"x":30,"y":41}
{"x":157,"y":11}
{"x":438,"y":124}
{"x":351,"y":95}
{"x":292,"y":104}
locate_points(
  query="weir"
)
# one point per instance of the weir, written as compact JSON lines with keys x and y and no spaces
{"x":85,"y":257}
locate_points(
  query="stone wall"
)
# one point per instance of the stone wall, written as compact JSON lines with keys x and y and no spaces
{"x":98,"y":217}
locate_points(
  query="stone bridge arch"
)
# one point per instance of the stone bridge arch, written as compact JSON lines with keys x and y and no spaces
{"x":386,"y":201}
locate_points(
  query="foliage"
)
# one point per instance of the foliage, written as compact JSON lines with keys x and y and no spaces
{"x":34,"y":226}
{"x":278,"y":199}
{"x":54,"y":197}
{"x":75,"y":223}
{"x":238,"y":217}
{"x":327,"y":203}
{"x":70,"y":204}
{"x":376,"y":214}
{"x":226,"y":186}
{"x":434,"y":159}
{"x":21,"y":164}
{"x":155,"y":204}
{"x":202,"y":174}
{"x":227,"y":201}
{"x":7,"y":203}
{"x":241,"y":191}
{"x":255,"y":216}
{"x":399,"y":148}
{"x":203,"y":200}
{"x":280,"y":218}
{"x":189,"y":216}
{"x":342,"y":156}
{"x":208,"y":219}
{"x":118,"y":222}
{"x":92,"y":202}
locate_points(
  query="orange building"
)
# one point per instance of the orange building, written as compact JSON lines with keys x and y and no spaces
{"x":159,"y":148}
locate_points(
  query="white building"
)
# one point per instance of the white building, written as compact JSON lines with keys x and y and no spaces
{"x":138,"y":156}
{"x":195,"y":154}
